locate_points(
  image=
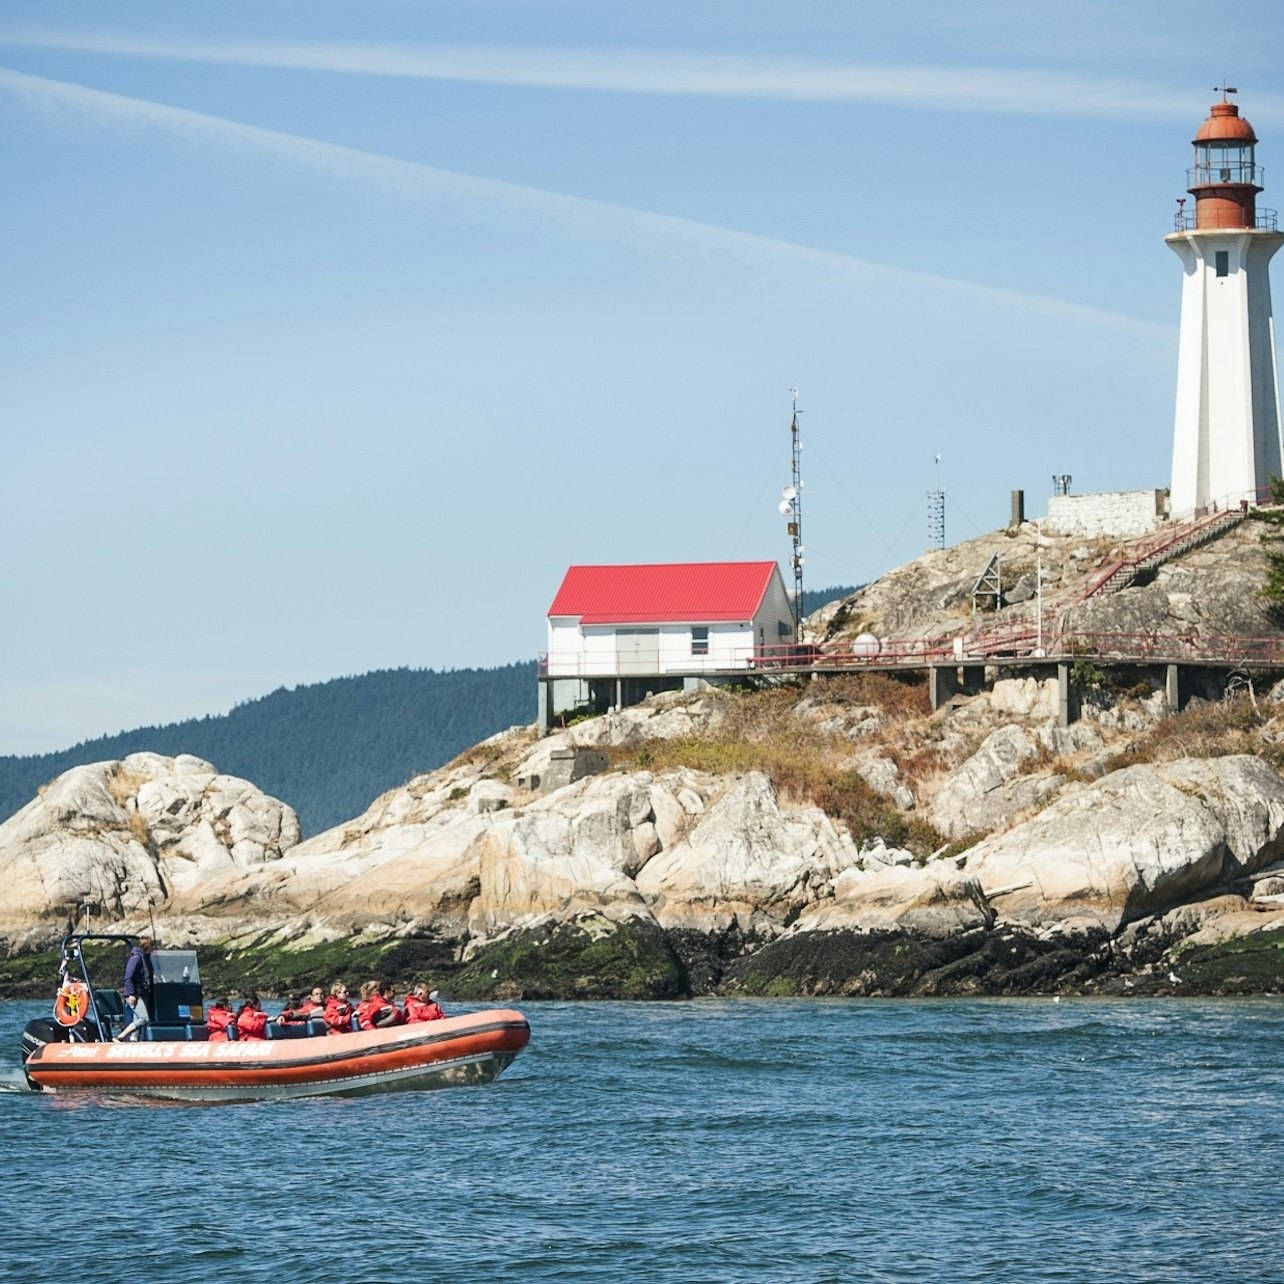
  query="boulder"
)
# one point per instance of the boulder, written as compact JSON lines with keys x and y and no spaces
{"x":119,"y":838}
{"x":935,"y":902}
{"x":1135,"y":842}
{"x":991,"y":787}
{"x":881,"y":774}
{"x":746,"y":861}
{"x":561,"y":857}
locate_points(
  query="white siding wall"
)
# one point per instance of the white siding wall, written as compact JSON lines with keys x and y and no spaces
{"x":563,"y":646}
{"x":596,"y":650}
{"x":776,"y":609}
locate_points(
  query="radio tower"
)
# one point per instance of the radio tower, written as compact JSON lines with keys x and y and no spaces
{"x":791,"y":508}
{"x":936,"y":508}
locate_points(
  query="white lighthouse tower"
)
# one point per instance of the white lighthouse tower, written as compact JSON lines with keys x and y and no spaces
{"x":1226,"y":439}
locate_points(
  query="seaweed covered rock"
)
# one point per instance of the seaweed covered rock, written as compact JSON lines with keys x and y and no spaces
{"x":586,"y":957}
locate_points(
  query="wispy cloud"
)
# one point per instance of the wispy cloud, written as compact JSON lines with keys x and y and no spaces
{"x":1001,"y":90}
{"x":643,"y":229}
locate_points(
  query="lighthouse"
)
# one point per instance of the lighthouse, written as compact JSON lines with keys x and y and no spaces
{"x":1226,"y":436}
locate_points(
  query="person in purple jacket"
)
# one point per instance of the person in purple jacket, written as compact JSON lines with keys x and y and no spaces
{"x":138,"y":980}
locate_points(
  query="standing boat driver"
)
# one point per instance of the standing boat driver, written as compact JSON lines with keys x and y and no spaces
{"x":136,"y":1010}
{"x":137,"y":985}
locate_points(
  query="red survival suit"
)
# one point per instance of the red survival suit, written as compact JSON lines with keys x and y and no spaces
{"x":338,"y":1015}
{"x":251,"y":1023}
{"x":369,"y":1012}
{"x":422,"y":1009}
{"x":217,"y":1020}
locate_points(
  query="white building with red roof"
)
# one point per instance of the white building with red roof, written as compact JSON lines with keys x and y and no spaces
{"x":619,"y":633}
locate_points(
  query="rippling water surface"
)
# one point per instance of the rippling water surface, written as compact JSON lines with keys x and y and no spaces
{"x":866,"y":1140}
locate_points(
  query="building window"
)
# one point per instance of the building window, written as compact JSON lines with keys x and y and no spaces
{"x":700,"y":639}
{"x":1223,"y":262}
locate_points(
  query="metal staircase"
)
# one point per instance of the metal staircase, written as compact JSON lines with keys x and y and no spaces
{"x":1019,"y":633}
{"x":1150,"y":554}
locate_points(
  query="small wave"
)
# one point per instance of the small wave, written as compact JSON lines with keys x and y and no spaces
{"x":12,"y":1079}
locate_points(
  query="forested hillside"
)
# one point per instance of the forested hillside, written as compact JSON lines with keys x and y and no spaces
{"x":329,"y":749}
{"x":814,"y":599}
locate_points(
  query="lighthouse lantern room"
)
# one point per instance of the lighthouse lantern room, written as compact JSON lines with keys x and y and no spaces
{"x":1226,"y":437}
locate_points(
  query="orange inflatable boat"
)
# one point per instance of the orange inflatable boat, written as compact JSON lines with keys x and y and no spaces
{"x":74,"y":1051}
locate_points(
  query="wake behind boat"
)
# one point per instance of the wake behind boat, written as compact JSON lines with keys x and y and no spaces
{"x":175,"y":1059}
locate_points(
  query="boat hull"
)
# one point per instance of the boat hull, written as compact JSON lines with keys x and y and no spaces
{"x":432,"y":1054}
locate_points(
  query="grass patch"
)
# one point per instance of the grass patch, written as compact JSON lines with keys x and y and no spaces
{"x":1234,"y":726}
{"x":760,"y":732}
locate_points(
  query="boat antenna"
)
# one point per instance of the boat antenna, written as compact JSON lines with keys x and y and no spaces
{"x":791,"y":508}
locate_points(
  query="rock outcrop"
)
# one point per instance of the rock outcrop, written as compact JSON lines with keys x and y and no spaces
{"x":120,"y":840}
{"x":837,"y":837}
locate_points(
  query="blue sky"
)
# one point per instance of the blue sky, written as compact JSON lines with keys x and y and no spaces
{"x":335,"y":332}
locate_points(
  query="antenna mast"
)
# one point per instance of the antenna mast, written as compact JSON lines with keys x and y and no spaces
{"x":936,"y":508}
{"x":791,"y":507}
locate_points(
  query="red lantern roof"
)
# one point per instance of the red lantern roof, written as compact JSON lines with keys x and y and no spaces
{"x":673,"y":593}
{"x":1225,"y":125}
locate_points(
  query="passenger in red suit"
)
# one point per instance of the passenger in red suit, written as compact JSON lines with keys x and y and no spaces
{"x":421,"y":1005}
{"x":338,"y":1010}
{"x":293,"y":1013}
{"x":314,"y":1004}
{"x":251,"y":1020}
{"x":217,"y":1020}
{"x":374,"y":1011}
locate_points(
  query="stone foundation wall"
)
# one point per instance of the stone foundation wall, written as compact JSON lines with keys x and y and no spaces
{"x":1120,"y":514}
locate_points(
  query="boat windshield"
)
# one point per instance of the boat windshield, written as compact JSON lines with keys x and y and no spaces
{"x":175,"y":966}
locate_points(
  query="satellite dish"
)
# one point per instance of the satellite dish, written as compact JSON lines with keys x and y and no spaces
{"x":784,"y":508}
{"x":789,"y":493}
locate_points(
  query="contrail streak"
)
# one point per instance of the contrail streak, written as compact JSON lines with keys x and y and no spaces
{"x":643,"y":229}
{"x":1041,"y":92}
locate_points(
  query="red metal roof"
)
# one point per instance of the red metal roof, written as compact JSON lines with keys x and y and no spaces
{"x":1225,"y":124}
{"x":674,"y":593}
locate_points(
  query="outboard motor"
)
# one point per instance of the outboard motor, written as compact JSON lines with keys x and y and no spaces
{"x":44,"y":1030}
{"x":39,"y":1032}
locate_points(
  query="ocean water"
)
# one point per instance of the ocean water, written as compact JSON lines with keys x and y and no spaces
{"x":960,"y":1140}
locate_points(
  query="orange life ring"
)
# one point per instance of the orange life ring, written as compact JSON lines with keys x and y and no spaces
{"x":72,"y":1003}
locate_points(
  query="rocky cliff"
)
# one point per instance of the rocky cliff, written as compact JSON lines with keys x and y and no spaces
{"x":832,"y":837}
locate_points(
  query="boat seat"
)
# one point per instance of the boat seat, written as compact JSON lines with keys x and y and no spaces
{"x":198,"y":1033}
{"x":288,"y":1031}
{"x":110,"y":1004}
{"x":167,"y":1033}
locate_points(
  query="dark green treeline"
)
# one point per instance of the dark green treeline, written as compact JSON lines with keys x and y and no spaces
{"x":329,"y":749}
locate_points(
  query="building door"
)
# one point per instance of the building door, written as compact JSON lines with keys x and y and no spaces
{"x":637,"y":650}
